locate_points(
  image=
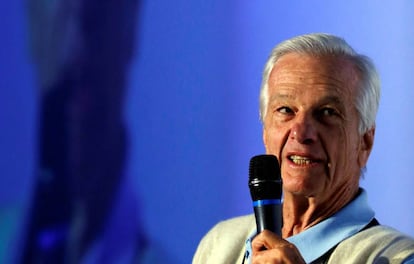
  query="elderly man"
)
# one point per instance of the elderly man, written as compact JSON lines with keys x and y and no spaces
{"x":318,"y":104}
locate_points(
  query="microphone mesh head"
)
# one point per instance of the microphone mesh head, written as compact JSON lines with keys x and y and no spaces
{"x":264,"y":167}
{"x":264,"y":178}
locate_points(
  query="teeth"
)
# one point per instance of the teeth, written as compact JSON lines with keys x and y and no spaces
{"x":300,"y":160}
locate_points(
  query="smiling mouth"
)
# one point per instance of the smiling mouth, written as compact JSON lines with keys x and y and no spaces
{"x":299,"y":160}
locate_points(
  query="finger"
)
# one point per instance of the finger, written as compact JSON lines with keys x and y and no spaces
{"x":268,"y":240}
{"x":277,"y":256}
{"x":277,"y":250}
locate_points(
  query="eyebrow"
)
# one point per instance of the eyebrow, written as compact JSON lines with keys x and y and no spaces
{"x":334,"y":99}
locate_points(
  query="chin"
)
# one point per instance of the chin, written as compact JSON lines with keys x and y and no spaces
{"x":300,"y":190}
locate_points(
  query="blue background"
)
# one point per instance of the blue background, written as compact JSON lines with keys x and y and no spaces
{"x":192,"y":109}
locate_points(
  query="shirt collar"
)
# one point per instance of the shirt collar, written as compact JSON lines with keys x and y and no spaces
{"x":317,"y":240}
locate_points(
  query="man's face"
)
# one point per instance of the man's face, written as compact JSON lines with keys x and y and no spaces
{"x":311,"y":125}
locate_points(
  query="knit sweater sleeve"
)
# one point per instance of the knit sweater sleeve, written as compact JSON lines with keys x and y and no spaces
{"x":225,"y":242}
{"x":379,"y":244}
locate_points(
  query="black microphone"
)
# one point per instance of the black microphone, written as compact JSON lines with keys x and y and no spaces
{"x":265,"y":184}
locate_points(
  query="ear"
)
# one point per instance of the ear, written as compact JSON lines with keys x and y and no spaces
{"x":264,"y":138}
{"x":366,"y":144}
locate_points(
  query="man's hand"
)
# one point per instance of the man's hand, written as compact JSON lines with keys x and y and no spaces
{"x":269,"y":248}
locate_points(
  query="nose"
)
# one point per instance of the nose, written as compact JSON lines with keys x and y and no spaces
{"x":303,"y":131}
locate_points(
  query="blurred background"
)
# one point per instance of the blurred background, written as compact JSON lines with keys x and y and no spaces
{"x":127,"y":126}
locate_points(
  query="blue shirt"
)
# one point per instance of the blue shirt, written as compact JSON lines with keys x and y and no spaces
{"x":319,"y":239}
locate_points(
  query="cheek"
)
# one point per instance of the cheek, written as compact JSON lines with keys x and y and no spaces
{"x":273,"y":139}
{"x":345,"y":152}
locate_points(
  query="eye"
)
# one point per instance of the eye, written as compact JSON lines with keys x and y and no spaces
{"x":284,"y":110}
{"x":328,"y":111}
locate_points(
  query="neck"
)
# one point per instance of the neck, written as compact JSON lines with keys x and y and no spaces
{"x":300,"y":212}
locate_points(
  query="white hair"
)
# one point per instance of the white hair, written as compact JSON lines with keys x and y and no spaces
{"x":319,"y":44}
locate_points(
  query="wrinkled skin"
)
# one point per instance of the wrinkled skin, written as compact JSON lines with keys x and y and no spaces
{"x":311,"y":126}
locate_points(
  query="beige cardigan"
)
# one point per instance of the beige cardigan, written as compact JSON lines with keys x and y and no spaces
{"x":225,"y":244}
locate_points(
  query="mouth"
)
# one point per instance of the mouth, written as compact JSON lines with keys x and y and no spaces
{"x":302,"y":160}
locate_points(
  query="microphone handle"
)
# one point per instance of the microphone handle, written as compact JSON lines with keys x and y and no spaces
{"x":269,"y":217}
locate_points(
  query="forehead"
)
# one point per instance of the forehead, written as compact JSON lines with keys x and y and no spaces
{"x":306,"y":73}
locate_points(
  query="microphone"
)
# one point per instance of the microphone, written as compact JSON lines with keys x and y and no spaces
{"x":265,"y":184}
